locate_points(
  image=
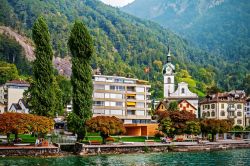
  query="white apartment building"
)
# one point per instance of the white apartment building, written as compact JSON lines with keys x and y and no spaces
{"x":11,"y":92}
{"x":228,"y":105}
{"x":126,"y":98}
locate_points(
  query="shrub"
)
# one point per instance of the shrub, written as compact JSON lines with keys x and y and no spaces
{"x":110,"y":139}
{"x":159,"y":134}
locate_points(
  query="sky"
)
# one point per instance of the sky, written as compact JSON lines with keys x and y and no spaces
{"x":117,"y":3}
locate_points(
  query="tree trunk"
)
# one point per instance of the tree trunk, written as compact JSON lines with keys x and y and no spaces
{"x":81,"y":133}
{"x":8,"y":138}
{"x":16,"y":135}
{"x":212,"y":137}
{"x":104,"y":136}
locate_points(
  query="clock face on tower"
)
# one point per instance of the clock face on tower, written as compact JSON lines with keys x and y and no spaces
{"x":167,"y":70}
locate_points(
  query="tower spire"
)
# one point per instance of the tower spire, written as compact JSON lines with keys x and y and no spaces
{"x":168,"y":56}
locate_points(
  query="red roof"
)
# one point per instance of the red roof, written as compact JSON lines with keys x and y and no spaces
{"x":17,"y":82}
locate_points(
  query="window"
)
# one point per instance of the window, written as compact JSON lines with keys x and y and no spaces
{"x":239,"y":114}
{"x":212,"y":106}
{"x":208,"y":106}
{"x":99,"y":87}
{"x":180,"y":105}
{"x":239,"y":121}
{"x":182,"y":90}
{"x":184,"y":108}
{"x":213,"y":114}
{"x":98,"y":103}
{"x":204,"y":114}
{"x":222,"y":113}
{"x":203,"y":106}
{"x":119,"y":104}
{"x":222,"y":106}
{"x":208,"y":114}
{"x":169,"y":80}
{"x":239,"y":106}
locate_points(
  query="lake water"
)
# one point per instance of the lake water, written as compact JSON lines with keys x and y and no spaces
{"x":239,"y":157}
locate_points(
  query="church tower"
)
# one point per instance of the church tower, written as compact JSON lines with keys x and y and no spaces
{"x":168,"y":72}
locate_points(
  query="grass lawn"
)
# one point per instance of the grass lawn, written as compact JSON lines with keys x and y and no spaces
{"x":124,"y":139}
{"x":26,"y":138}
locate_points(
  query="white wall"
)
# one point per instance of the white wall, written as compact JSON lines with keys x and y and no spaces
{"x":140,"y":97}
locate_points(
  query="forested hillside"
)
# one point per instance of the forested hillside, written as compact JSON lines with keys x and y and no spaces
{"x":124,"y":45}
{"x":220,"y":27}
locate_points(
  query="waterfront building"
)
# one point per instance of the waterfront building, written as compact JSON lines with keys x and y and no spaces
{"x":227,"y":105}
{"x":125,"y":98}
{"x":11,"y":92}
{"x":247,"y":111}
{"x":182,"y":92}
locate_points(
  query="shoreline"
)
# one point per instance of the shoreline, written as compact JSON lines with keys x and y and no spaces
{"x":88,"y":150}
{"x":79,"y":149}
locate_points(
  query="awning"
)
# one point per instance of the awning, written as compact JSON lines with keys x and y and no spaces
{"x":131,"y":103}
{"x":131,"y":95}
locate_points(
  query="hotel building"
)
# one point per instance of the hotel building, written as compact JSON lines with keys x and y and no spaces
{"x":228,"y":105}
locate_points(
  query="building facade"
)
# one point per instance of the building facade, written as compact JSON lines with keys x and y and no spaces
{"x":125,"y":98}
{"x":11,"y":92}
{"x":247,"y":111}
{"x":228,"y":105}
{"x":183,"y":105}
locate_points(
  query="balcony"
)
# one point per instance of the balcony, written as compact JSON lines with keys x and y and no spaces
{"x":231,"y":109}
{"x":231,"y":116}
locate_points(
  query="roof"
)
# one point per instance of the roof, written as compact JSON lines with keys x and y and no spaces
{"x":17,"y":82}
{"x":164,"y":102}
{"x":24,"y":103}
{"x":232,"y":96}
{"x":17,"y":106}
{"x":180,"y":101}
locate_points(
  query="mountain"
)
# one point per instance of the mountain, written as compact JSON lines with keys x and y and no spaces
{"x":221,"y":27}
{"x":125,"y":45}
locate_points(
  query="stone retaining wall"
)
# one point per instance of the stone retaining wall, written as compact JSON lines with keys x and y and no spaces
{"x":82,"y":149}
{"x":28,"y":151}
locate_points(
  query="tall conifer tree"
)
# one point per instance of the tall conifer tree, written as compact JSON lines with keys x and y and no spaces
{"x":81,"y":47}
{"x":42,"y":94}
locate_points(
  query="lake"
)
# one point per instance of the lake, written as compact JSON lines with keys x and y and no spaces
{"x":229,"y":158}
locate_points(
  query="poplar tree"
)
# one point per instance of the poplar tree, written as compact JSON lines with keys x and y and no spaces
{"x":81,"y":47}
{"x":42,"y":94}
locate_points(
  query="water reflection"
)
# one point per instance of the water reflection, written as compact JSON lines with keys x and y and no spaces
{"x":229,"y":158}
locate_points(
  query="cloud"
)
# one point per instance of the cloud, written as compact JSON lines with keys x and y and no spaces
{"x":117,"y":3}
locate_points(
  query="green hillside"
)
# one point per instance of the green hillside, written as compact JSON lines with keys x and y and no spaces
{"x":220,"y":27}
{"x":124,"y":44}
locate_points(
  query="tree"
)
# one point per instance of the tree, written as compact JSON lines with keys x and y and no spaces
{"x":247,"y":128}
{"x":193,"y":127}
{"x":179,"y":119}
{"x":106,"y":126}
{"x":81,"y":47}
{"x":7,"y":72}
{"x":214,"y":126}
{"x":173,"y":106}
{"x":66,"y":88}
{"x":42,"y":94}
{"x":18,"y":123}
{"x":166,"y":126}
{"x":237,"y":128}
